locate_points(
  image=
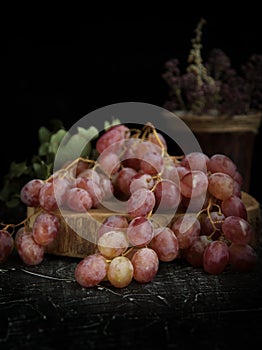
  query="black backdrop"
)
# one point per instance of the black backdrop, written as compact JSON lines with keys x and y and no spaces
{"x":70,"y":71}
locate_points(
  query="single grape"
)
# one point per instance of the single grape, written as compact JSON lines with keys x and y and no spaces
{"x":140,"y":231}
{"x":158,"y":139}
{"x":112,"y":136}
{"x":144,"y":147}
{"x":90,"y":174}
{"x":79,"y":200}
{"x":194,"y":184}
{"x":141,"y":180}
{"x":123,"y":180}
{"x":45,"y":228}
{"x":129,"y":157}
{"x":94,"y":190}
{"x":53,"y":193}
{"x":167,"y":195}
{"x":211,"y":223}
{"x":221,"y":185}
{"x":91,"y":270}
{"x":140,"y":203}
{"x":29,"y":251}
{"x":170,"y":171}
{"x":234,"y":206}
{"x":106,"y":186}
{"x":109,"y":162}
{"x":195,"y":161}
{"x":237,"y":230}
{"x":242,"y":257}
{"x":165,"y":244}
{"x":220,"y":163}
{"x":152,"y":163}
{"x":216,"y":257}
{"x":146,"y":263}
{"x":6,"y":245}
{"x":112,"y":244}
{"x":120,"y":272}
{"x":29,"y":193}
{"x":187,"y":229}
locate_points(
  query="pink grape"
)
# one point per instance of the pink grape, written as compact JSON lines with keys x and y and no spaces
{"x":53,"y":194}
{"x":220,"y":185}
{"x":146,"y":263}
{"x":29,"y":251}
{"x":79,"y":200}
{"x":123,"y":180}
{"x":112,"y":223}
{"x":94,"y":190}
{"x":206,"y":224}
{"x":234,"y":206}
{"x":170,"y":172}
{"x":45,"y":228}
{"x":242,"y":257}
{"x":6,"y":245}
{"x":194,"y":254}
{"x":129,"y":158}
{"x":146,"y":147}
{"x":167,"y":195}
{"x":112,"y":136}
{"x":195,"y":161}
{"x":140,"y":203}
{"x":109,"y":162}
{"x":220,"y":163}
{"x":165,"y":244}
{"x":194,"y":184}
{"x":90,"y":174}
{"x":29,"y":193}
{"x":112,"y":244}
{"x":106,"y":187}
{"x":151,"y":163}
{"x":140,"y":231}
{"x":91,"y":270}
{"x":187,"y":229}
{"x":216,"y":257}
{"x":140,"y":180}
{"x":120,"y":272}
{"x":156,"y":138}
{"x":237,"y":230}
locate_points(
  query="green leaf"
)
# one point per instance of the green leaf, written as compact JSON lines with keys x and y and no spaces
{"x":44,"y":134}
{"x":107,"y":124}
{"x":18,"y":169}
{"x":41,"y":170}
{"x":89,"y":134}
{"x":43,"y":149}
{"x":12,"y":203}
{"x":56,"y":140}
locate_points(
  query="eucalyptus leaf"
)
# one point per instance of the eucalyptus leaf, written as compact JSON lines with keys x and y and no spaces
{"x":108,"y":124}
{"x":89,"y":134}
{"x":43,"y":149}
{"x":18,"y":169}
{"x":41,"y":170}
{"x":56,"y":140}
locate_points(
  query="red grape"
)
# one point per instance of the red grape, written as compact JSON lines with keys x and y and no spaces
{"x":242,"y":257}
{"x":140,"y":203}
{"x":29,"y":193}
{"x":29,"y":251}
{"x":237,"y":230}
{"x":165,"y":244}
{"x":216,"y":257}
{"x":45,"y":228}
{"x":187,"y":229}
{"x":145,"y":262}
{"x":79,"y":200}
{"x":6,"y":245}
{"x":140,"y":231}
{"x":220,"y":185}
{"x":194,"y":184}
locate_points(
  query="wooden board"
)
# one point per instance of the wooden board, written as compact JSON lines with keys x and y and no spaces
{"x":69,"y":243}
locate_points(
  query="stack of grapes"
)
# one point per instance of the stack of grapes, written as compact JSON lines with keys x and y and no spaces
{"x":202,"y":196}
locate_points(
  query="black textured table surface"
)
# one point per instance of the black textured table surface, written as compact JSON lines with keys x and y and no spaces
{"x":42,"y":307}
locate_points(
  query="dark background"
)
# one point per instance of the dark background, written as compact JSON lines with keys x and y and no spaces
{"x":66,"y":71}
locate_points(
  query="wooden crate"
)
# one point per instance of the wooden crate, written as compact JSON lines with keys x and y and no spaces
{"x":69,"y":243}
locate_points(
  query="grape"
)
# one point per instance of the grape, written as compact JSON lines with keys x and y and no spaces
{"x":234,"y":206}
{"x":91,"y":270}
{"x":220,"y":163}
{"x":242,"y":257}
{"x":196,"y":203}
{"x":106,"y":186}
{"x":165,"y":244}
{"x":194,"y":184}
{"x":237,"y":230}
{"x":206,"y":224}
{"x":181,"y":171}
{"x":187,"y":229}
{"x":112,"y":222}
{"x":195,"y":161}
{"x":45,"y":228}
{"x":29,"y":251}
{"x":140,"y":231}
{"x":146,"y":263}
{"x":151,"y":163}
{"x":29,"y":193}
{"x":129,"y":158}
{"x":140,"y":203}
{"x":155,"y":139}
{"x":170,"y":171}
{"x":112,"y":136}
{"x":53,"y":194}
{"x":90,"y":174}
{"x":194,"y":254}
{"x":120,"y":272}
{"x":141,"y":181}
{"x":220,"y":185}
{"x":112,"y":244}
{"x":146,"y":147}
{"x":238,"y":178}
{"x":123,"y":180}
{"x":94,"y":190}
{"x":216,"y":257}
{"x":79,"y":200}
{"x":109,"y":162}
{"x":6,"y":245}
{"x":167,"y":195}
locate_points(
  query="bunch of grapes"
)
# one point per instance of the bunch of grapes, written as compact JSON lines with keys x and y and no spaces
{"x":210,"y":228}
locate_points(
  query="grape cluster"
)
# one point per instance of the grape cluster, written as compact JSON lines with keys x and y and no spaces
{"x":210,"y":228}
